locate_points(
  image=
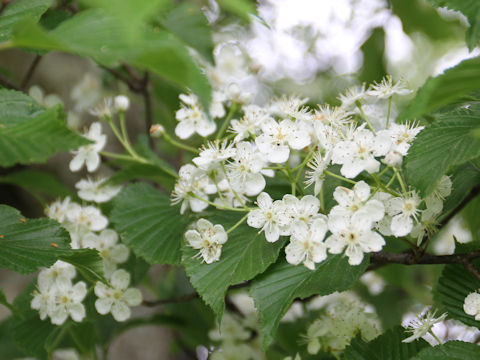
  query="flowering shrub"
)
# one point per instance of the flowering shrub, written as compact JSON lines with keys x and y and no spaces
{"x":284,"y":226}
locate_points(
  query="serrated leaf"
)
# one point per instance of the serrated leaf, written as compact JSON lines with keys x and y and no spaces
{"x":17,"y":10}
{"x":447,"y":142}
{"x":451,"y":350}
{"x":471,"y":9}
{"x":387,"y":346}
{"x":245,"y":255}
{"x":148,"y":224}
{"x":30,"y":134}
{"x":188,"y":22}
{"x":83,"y":336}
{"x":453,"y":287}
{"x":275,"y":290}
{"x":444,"y":89}
{"x":88,"y":262}
{"x":27,"y":244}
{"x":93,"y":33}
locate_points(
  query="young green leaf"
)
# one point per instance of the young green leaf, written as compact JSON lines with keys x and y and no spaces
{"x":88,"y":262}
{"x":275,"y":290}
{"x":148,"y":224}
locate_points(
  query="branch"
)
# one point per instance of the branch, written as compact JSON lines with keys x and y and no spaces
{"x":5,"y":82}
{"x":30,"y":71}
{"x":473,"y":193}
{"x":186,"y":297}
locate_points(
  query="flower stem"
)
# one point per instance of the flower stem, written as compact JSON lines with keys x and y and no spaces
{"x":388,"y":111}
{"x":364,"y":117}
{"x":239,"y":222}
{"x":218,"y":206}
{"x":329,"y":173}
{"x":179,"y":144}
{"x":225,"y":123}
{"x":400,"y":180}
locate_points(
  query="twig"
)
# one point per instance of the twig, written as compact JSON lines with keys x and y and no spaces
{"x":5,"y":82}
{"x":473,"y":270}
{"x":408,"y":258}
{"x":473,"y":193}
{"x":30,"y":71}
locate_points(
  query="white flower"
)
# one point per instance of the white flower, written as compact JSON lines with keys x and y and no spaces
{"x":276,"y":138}
{"x":207,"y":238}
{"x":471,"y":305}
{"x":106,"y":244}
{"x":88,"y":154}
{"x":354,"y":234}
{"x":420,"y":326}
{"x":104,"y":109}
{"x":65,"y":354}
{"x":216,"y":107}
{"x":68,"y":301}
{"x":87,"y":92}
{"x":316,"y":175}
{"x":43,"y":299}
{"x":402,"y":136}
{"x":356,"y":201}
{"x":191,"y":187}
{"x":386,"y":88}
{"x":48,"y":277}
{"x":434,"y":201}
{"x":402,"y":210}
{"x":289,"y":106}
{"x":359,"y":153}
{"x":88,"y":217}
{"x":59,"y":209}
{"x":47,"y":101}
{"x":117,"y":298}
{"x":306,"y":244}
{"x":270,"y":217}
{"x":192,"y":118}
{"x":245,"y":170}
{"x":213,"y":154}
{"x":250,"y":123}
{"x":122,"y":103}
{"x":303,"y":210}
{"x":91,"y":190}
{"x":351,"y":96}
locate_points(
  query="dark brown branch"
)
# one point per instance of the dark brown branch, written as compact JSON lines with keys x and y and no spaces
{"x":473,"y":193}
{"x":470,"y":267}
{"x":186,"y":297}
{"x":3,"y":5}
{"x":408,"y":258}
{"x":30,"y":72}
{"x":5,"y":82}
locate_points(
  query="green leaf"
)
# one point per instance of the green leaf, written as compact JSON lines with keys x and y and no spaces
{"x":453,"y":287}
{"x":93,"y":33}
{"x":148,"y":224}
{"x":451,"y":350}
{"x":188,"y":23}
{"x":30,"y":134}
{"x":241,"y":8}
{"x":17,"y":10}
{"x":37,"y":183}
{"x":444,"y":89}
{"x":8,"y":348}
{"x":245,"y":255}
{"x":88,"y":262}
{"x":387,"y":346}
{"x":83,"y":335}
{"x":275,"y":290}
{"x":471,"y":9}
{"x":464,"y":178}
{"x":447,"y":142}
{"x":27,"y":244}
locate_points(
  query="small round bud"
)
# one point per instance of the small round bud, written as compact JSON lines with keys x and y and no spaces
{"x":157,"y":130}
{"x":122,"y":103}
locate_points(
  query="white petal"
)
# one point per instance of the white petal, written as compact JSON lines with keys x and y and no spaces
{"x":120,"y":279}
{"x":77,"y":312}
{"x":184,"y":129}
{"x":104,"y":305}
{"x":77,"y":162}
{"x":279,"y":154}
{"x":92,"y":160}
{"x":351,"y":169}
{"x":255,"y":183}
{"x":133,"y":297}
{"x":264,"y":201}
{"x":355,"y":255}
{"x":256,"y":218}
{"x":401,"y":225}
{"x":362,"y":190}
{"x":120,"y":311}
{"x":272,"y":233}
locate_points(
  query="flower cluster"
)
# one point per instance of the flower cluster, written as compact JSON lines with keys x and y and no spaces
{"x":56,"y":295}
{"x":287,"y":139}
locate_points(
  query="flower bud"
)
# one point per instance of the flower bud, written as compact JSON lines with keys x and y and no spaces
{"x":157,"y":130}
{"x":122,"y":103}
